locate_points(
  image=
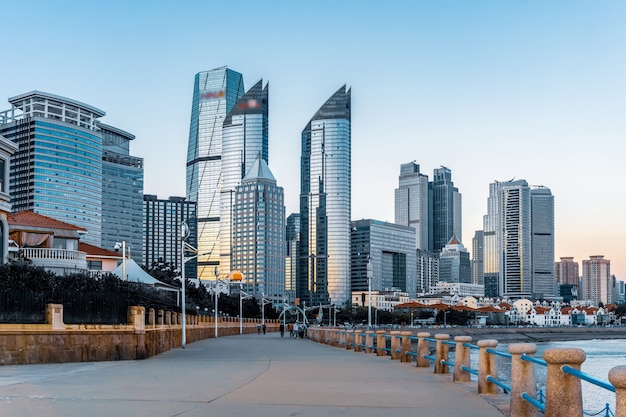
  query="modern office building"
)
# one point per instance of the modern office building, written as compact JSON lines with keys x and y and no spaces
{"x":412,"y":203}
{"x":427,"y":270}
{"x":244,"y":138}
{"x":325,"y":204}
{"x":215,"y":93}
{"x":7,"y":148}
{"x":597,"y":282}
{"x":445,"y":209}
{"x":454,"y":263}
{"x":57,"y":169}
{"x":163,"y":228}
{"x":388,"y":250}
{"x":259,"y":247}
{"x":291,"y":261}
{"x":478,"y":260}
{"x":542,"y":237}
{"x":566,"y":271}
{"x":122,"y":193}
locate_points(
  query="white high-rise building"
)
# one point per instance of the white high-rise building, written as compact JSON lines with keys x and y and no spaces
{"x":597,"y":282}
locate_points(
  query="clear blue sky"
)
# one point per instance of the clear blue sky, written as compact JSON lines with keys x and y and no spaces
{"x":531,"y":89}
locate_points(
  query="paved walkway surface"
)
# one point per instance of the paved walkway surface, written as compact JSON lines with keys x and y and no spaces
{"x":243,"y":376}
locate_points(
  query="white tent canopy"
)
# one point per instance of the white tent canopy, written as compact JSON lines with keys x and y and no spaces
{"x":134,"y":273}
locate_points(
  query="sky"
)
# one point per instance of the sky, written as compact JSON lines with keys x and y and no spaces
{"x":493,"y":90}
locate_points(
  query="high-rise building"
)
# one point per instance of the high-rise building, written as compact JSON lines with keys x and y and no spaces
{"x":478,"y":258}
{"x":390,"y":250}
{"x":597,"y":283}
{"x":259,"y":247}
{"x":411,"y":203}
{"x":542,"y":236}
{"x":7,"y":148}
{"x":454,"y":263}
{"x":325,"y":204}
{"x":445,"y":209}
{"x":566,"y":271}
{"x":162,"y":231}
{"x":215,"y":94}
{"x":427,"y":270}
{"x":291,"y":261}
{"x":57,"y":169}
{"x":244,"y":138}
{"x":122,"y":193}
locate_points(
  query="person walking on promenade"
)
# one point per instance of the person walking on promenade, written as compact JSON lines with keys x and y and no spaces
{"x":296,"y":326}
{"x":264,"y":328}
{"x":258,"y":328}
{"x":290,"y":329}
{"x":282,"y":329}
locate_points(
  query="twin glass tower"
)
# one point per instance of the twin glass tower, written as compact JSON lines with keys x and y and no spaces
{"x":228,"y":149}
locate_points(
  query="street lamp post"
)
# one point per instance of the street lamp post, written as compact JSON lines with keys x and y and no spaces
{"x":369,"y":292}
{"x":117,"y":247}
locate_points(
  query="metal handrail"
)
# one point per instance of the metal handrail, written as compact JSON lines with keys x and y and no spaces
{"x":532,"y":400}
{"x":498,"y":383}
{"x":469,"y":370}
{"x":532,"y":359}
{"x":586,"y":377}
{"x":495,"y":352}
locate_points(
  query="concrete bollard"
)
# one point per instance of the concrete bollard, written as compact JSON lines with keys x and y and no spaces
{"x":369,"y":341}
{"x":358,"y":341}
{"x":380,"y":342}
{"x":395,"y":344}
{"x":564,"y":396}
{"x":461,"y":358}
{"x":342,"y":338}
{"x":617,"y":377}
{"x":522,"y":380}
{"x":405,"y":346}
{"x":487,"y":365}
{"x":441,"y":354}
{"x":422,"y":349}
{"x":349,"y":339}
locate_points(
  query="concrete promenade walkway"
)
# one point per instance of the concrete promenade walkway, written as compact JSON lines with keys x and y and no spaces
{"x":242,"y":376}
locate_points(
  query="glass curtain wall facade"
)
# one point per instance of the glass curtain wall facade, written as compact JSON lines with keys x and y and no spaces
{"x":215,"y":93}
{"x":122,"y":193}
{"x":259,"y":247}
{"x":478,"y":258}
{"x":293,"y":248}
{"x":542,"y":225}
{"x":412,"y":203}
{"x":162,"y":232}
{"x":57,"y":169}
{"x":244,"y":139}
{"x":325,"y":204}
{"x":445,"y":219}
{"x":391,"y":250}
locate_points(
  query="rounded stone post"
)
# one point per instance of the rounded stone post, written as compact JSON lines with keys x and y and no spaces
{"x":380,"y":342}
{"x":422,"y":349}
{"x":441,"y":354}
{"x":369,"y":341}
{"x":461,"y":358}
{"x":563,"y":391}
{"x":358,"y":341}
{"x":522,"y":380}
{"x":617,"y":377}
{"x":342,"y":338}
{"x":395,"y":344}
{"x":349,"y":339}
{"x":487,"y":366}
{"x":406,"y":346}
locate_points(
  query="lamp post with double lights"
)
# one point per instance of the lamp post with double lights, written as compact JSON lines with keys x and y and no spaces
{"x":264,"y":302}
{"x":117,"y":248}
{"x":369,"y":292}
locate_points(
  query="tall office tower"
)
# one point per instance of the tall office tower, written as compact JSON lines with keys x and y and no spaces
{"x":478,"y":258}
{"x":244,"y":138}
{"x":325,"y":204}
{"x":445,"y":209}
{"x":215,"y":93}
{"x":597,"y":279}
{"x":427,"y":270}
{"x":122,"y":193}
{"x":542,"y":251}
{"x":293,"y":247}
{"x":162,"y":231}
{"x":259,"y":247}
{"x":566,"y":271}
{"x":454,"y":263}
{"x":390,"y":250}
{"x":411,"y":203}
{"x":507,"y":239}
{"x":57,"y":169}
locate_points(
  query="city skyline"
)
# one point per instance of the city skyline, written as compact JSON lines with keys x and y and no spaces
{"x":491,"y":90}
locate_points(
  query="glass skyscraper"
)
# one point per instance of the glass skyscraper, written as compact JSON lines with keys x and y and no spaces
{"x":325,"y":204}
{"x":244,"y":139}
{"x":291,"y":262}
{"x":445,"y":209}
{"x":542,"y":228}
{"x":411,"y":203}
{"x":57,"y":169}
{"x":215,"y":94}
{"x":122,"y":193}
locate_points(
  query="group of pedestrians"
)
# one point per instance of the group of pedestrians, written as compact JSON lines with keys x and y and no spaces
{"x":296,"y":330}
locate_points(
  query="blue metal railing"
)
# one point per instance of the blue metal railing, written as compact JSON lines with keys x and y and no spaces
{"x":535,"y":402}
{"x":586,"y":377}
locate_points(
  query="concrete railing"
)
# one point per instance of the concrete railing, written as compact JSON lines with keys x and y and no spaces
{"x":563,"y":396}
{"x":143,"y":335}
